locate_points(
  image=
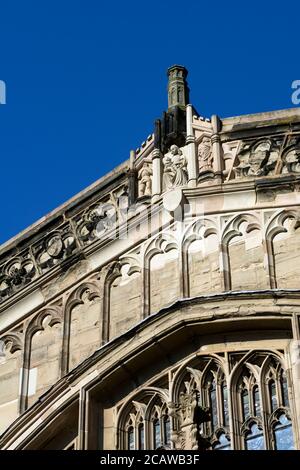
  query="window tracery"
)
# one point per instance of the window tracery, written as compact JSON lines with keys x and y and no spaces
{"x":200,"y":411}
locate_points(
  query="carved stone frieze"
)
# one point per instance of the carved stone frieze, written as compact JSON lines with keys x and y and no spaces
{"x":257,"y":158}
{"x":56,"y":247}
{"x":103,"y":216}
{"x":15,"y":274}
{"x":60,"y":244}
{"x":291,"y":159}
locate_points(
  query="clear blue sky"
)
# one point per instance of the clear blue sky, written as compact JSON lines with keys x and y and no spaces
{"x":86,"y":78}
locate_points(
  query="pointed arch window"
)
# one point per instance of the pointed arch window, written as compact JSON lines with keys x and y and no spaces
{"x":256,"y":401}
{"x":130,"y":438}
{"x":283,"y":434}
{"x":254,"y":438}
{"x":166,"y":431}
{"x":273,"y":395}
{"x":284,"y":389}
{"x":223,"y":443}
{"x":156,"y":433}
{"x":224,"y":393}
{"x":213,"y":404}
{"x":245,"y":404}
{"x":141,"y":436}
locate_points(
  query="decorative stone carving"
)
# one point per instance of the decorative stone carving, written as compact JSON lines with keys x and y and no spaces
{"x":257,"y":159}
{"x":56,"y":247}
{"x":190,"y":416}
{"x":291,"y":160}
{"x":205,"y":156}
{"x":145,"y":180}
{"x":103,"y":216}
{"x":175,"y":168}
{"x":99,"y":219}
{"x":16,"y":274}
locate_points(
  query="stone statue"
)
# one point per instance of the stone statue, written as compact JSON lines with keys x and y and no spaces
{"x":145,"y":180}
{"x":205,"y":157}
{"x":175,"y":172}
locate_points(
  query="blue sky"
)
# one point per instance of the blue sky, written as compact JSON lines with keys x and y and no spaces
{"x":85,"y":80}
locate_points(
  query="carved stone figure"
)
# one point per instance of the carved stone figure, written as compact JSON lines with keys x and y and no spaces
{"x":175,"y":172}
{"x":145,"y":180}
{"x":190,"y":416}
{"x":291,"y":160}
{"x":257,"y":159}
{"x":205,"y":157}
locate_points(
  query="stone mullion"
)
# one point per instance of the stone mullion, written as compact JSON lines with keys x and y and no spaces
{"x":219,"y":404}
{"x":265,"y":412}
{"x":147,"y":434}
{"x":234,"y":412}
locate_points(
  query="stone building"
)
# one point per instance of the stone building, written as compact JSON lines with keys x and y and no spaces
{"x":159,"y":308}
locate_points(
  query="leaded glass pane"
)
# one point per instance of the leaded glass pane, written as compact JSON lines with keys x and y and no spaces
{"x":213,"y":404}
{"x":130,"y":438}
{"x":167,"y":430}
{"x":245,"y":404}
{"x":255,"y":439}
{"x":156,"y":433}
{"x":273,"y":396}
{"x":225,"y":404}
{"x":256,"y":401}
{"x":284,"y":439}
{"x":284,"y":388}
{"x":223,"y":443}
{"x":141,"y":436}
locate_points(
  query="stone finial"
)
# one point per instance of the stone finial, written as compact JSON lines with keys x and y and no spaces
{"x":178,"y":90}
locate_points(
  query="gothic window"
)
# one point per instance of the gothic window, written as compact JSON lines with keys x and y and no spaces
{"x":225,"y":410}
{"x":272,"y":395}
{"x":130,"y":441}
{"x":254,"y":438}
{"x":283,"y":434}
{"x":256,"y":401}
{"x":166,"y":431}
{"x":204,"y":413}
{"x":223,"y":443}
{"x":141,"y":438}
{"x":156,"y":433}
{"x":263,"y":413}
{"x":213,"y":403}
{"x":284,"y":389}
{"x":245,"y":403}
{"x":146,"y":425}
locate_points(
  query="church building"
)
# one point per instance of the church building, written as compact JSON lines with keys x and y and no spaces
{"x":160,"y":307}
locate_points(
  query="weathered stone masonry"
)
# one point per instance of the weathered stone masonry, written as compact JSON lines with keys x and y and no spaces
{"x":160,"y":306}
